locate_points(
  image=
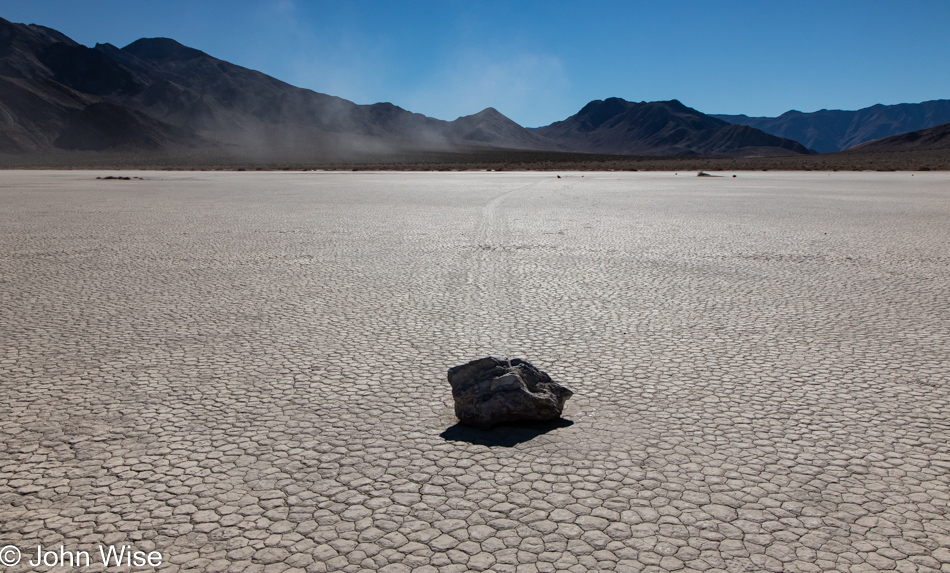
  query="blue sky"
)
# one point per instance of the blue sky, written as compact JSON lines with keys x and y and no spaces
{"x":539,"y":62}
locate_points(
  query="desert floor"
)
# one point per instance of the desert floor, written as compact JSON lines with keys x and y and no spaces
{"x":246,"y":371}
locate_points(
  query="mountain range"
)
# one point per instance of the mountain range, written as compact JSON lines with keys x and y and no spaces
{"x":828,"y":131}
{"x":621,"y":127}
{"x":56,"y":94}
{"x":932,"y":138}
{"x":158,"y":96}
{"x":156,"y":93}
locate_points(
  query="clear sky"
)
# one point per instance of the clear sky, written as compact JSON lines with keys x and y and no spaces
{"x":540,"y":62}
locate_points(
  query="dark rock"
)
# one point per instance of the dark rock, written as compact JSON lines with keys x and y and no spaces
{"x":492,"y":391}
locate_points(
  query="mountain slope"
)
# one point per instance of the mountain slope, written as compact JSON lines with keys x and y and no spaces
{"x":50,"y":90}
{"x":489,"y":126}
{"x":47,"y":81}
{"x":156,"y":93}
{"x":827,"y":131}
{"x":660,"y":128}
{"x":194,"y":89}
{"x":933,"y":138}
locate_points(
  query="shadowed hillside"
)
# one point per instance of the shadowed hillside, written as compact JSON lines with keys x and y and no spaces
{"x":156,"y":95}
{"x":827,"y":131}
{"x":661,"y":128}
{"x":166,"y":95}
{"x":932,"y":139}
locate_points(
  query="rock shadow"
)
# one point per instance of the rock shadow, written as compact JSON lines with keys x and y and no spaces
{"x":503,"y":436}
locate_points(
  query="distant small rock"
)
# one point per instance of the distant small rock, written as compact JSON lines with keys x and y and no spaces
{"x":492,"y":391}
{"x":704,"y":174}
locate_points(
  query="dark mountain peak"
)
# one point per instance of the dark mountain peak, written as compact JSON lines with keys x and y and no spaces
{"x":33,"y":33}
{"x":598,"y":112}
{"x":612,"y":110}
{"x":489,"y":112}
{"x":111,"y":51}
{"x":669,"y":127}
{"x":615,"y":105}
{"x":591,"y":106}
{"x":678,"y":106}
{"x":385,"y":106}
{"x":30,"y":36}
{"x":162,"y":49}
{"x":486,"y":116}
{"x":492,"y":128}
{"x":51,"y":35}
{"x":606,"y":103}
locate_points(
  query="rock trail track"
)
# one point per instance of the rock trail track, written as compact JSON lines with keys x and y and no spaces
{"x":490,"y":283}
{"x":246,"y":371}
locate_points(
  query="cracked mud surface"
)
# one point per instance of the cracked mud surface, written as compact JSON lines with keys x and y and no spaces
{"x":246,"y":372}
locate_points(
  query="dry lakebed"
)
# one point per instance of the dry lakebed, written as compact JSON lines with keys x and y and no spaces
{"x":247,"y":371}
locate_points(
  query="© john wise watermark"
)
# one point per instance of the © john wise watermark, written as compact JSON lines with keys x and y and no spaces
{"x":9,"y":556}
{"x":104,"y":555}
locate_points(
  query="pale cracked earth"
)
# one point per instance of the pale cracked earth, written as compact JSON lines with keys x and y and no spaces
{"x":246,"y":371}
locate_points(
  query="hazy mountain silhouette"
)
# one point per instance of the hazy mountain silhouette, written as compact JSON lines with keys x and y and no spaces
{"x":660,"y":128}
{"x":489,"y":126}
{"x":827,"y":131}
{"x":164,"y":93}
{"x":156,"y":94}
